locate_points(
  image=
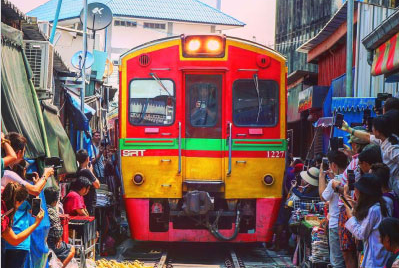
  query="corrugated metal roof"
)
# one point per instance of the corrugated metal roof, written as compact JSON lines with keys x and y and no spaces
{"x":384,"y":31}
{"x":174,"y":10}
{"x":332,"y":25}
{"x":366,"y":85}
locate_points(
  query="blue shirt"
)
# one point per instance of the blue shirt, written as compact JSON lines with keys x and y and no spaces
{"x":375,"y":255}
{"x":22,"y":219}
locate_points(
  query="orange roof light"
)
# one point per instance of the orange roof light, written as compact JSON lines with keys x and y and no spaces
{"x":213,"y":45}
{"x":194,"y":45}
{"x":203,"y":46}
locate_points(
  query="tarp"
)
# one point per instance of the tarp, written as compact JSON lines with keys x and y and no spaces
{"x":386,"y":58}
{"x":17,"y":106}
{"x":100,"y":58}
{"x":80,"y":120}
{"x":58,"y":140}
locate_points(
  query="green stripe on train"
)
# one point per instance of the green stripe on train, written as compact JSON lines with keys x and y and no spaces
{"x":205,"y":144}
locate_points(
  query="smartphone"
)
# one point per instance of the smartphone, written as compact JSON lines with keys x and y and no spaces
{"x":345,"y":201}
{"x":339,"y":120}
{"x":30,"y":176}
{"x":366,"y":115}
{"x":89,"y":164}
{"x":340,"y":143}
{"x":351,"y":179}
{"x":369,"y":124}
{"x":325,"y":164}
{"x":36,"y":205}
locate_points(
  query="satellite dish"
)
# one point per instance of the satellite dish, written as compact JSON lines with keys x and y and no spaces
{"x":99,"y":16}
{"x":77,"y":60}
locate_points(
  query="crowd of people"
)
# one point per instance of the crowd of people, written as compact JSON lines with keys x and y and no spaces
{"x":19,"y":216}
{"x":363,"y":214}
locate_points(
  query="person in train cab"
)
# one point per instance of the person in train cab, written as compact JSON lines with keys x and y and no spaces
{"x":203,"y":111}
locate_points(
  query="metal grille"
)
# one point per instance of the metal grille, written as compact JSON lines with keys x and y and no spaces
{"x":34,"y":55}
{"x":144,"y":60}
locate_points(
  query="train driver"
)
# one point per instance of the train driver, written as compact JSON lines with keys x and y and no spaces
{"x":203,"y":112}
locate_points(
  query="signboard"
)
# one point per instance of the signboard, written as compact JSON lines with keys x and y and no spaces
{"x":305,"y":99}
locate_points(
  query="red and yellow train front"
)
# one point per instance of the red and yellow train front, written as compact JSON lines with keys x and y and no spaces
{"x":202,"y":139}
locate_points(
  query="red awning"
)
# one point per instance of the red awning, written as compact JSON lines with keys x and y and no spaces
{"x":386,"y":57}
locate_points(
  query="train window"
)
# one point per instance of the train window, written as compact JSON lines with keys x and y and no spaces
{"x":255,"y":105}
{"x":203,"y":105}
{"x":151,"y":104}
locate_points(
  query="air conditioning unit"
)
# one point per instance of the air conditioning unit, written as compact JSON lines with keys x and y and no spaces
{"x":40,"y":55}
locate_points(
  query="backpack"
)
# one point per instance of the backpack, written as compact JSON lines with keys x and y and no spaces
{"x":395,"y":199}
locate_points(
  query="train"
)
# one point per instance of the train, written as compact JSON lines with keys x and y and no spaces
{"x":202,"y":138}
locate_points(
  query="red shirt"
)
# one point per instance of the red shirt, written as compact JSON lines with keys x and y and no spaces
{"x":5,"y":221}
{"x":72,"y":202}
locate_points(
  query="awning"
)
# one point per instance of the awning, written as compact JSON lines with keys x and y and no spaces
{"x":386,"y":58}
{"x":17,"y":102}
{"x":352,"y":104}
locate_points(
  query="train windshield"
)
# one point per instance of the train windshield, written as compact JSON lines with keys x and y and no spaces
{"x":150,"y":104}
{"x":255,"y":104}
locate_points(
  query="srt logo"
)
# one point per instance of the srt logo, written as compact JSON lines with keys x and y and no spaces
{"x":133,"y":152}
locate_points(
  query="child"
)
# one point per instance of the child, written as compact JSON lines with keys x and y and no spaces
{"x":63,"y":251}
{"x":74,"y":203}
{"x":365,"y":218}
{"x":389,"y":233}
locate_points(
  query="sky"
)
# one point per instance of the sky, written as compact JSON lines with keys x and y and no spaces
{"x":258,"y":15}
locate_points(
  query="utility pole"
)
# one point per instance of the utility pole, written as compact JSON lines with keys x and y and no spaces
{"x":83,"y":72}
{"x":349,"y":48}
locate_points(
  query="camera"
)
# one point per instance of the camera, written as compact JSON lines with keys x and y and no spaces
{"x":325,"y":164}
{"x":379,"y":101}
{"x":336,"y":143}
{"x":55,"y":162}
{"x":339,"y":120}
{"x":351,"y":179}
{"x":366,"y":116}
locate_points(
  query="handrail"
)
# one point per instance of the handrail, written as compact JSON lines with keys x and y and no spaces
{"x":230,"y":145}
{"x":179,"y":169}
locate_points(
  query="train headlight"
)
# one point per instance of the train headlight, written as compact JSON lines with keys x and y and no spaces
{"x":213,"y":45}
{"x":268,"y":180}
{"x":203,"y":46}
{"x":194,"y":45}
{"x":138,"y":179}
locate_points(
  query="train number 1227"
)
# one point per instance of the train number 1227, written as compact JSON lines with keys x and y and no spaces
{"x":275,"y":154}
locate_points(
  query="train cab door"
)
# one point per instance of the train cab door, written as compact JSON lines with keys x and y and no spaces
{"x":203,"y":141}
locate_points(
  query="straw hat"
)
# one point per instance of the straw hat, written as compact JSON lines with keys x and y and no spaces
{"x":311,"y":176}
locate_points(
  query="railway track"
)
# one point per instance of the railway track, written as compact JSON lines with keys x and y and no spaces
{"x":192,"y":255}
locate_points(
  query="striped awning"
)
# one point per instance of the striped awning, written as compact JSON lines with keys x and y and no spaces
{"x":386,"y":58}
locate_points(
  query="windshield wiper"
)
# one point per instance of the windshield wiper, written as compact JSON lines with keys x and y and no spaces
{"x":256,"y":81}
{"x":156,"y":78}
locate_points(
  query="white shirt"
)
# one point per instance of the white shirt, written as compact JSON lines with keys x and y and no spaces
{"x":390,"y":157}
{"x":332,"y":197}
{"x":11,"y":176}
{"x":375,"y":255}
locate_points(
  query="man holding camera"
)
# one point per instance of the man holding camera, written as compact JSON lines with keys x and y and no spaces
{"x":337,"y":165}
{"x":98,"y":160}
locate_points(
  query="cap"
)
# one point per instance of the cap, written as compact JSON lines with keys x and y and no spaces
{"x":369,"y":184}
